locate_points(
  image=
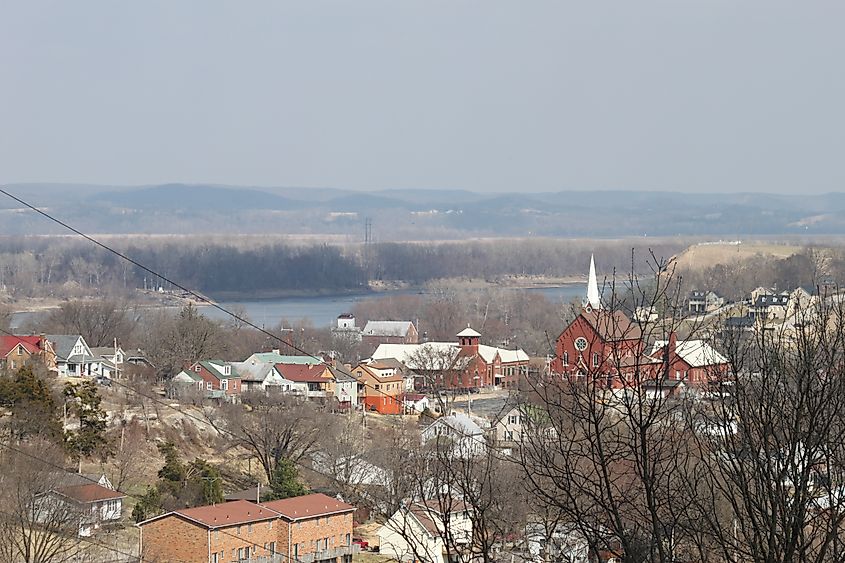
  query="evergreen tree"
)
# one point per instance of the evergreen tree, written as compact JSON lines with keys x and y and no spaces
{"x":148,"y":505}
{"x":206,"y":478}
{"x":285,"y":481}
{"x":90,"y":439}
{"x":34,"y":409}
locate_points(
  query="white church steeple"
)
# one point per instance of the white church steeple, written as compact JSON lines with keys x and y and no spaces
{"x":593,"y":298}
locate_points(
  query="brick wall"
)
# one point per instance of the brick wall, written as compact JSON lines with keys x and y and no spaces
{"x":307,"y":533}
{"x":173,"y":539}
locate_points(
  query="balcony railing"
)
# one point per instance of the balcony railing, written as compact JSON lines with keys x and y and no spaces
{"x":332,"y":553}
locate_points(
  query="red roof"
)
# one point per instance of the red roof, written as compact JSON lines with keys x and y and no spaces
{"x":302,"y":373}
{"x":224,"y":514}
{"x":90,"y":493}
{"x":308,"y":506}
{"x":9,"y":343}
{"x":612,"y":325}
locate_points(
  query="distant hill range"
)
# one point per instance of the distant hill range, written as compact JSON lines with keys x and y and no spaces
{"x":417,"y":214}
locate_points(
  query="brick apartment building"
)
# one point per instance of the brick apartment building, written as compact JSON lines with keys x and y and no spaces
{"x":310,"y":529}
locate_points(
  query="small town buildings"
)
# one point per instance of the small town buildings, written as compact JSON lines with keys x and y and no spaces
{"x":415,"y":402}
{"x":389,"y":332}
{"x":96,"y":505}
{"x":260,"y":376}
{"x":379,"y":390}
{"x":314,"y":528}
{"x":694,"y":362}
{"x":232,"y":531}
{"x":700,"y":302}
{"x":310,"y":529}
{"x":73,"y":356}
{"x":346,"y":329}
{"x":276,"y":357}
{"x":416,"y":532}
{"x":16,"y":351}
{"x":466,"y":364}
{"x":217,"y":376}
{"x":459,"y":433}
{"x":345,"y":388}
{"x":313,"y":381}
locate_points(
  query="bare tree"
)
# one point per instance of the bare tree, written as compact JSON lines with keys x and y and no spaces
{"x":438,"y":368}
{"x":36,"y":524}
{"x":99,"y":322}
{"x":771,"y":450}
{"x":273,"y":428}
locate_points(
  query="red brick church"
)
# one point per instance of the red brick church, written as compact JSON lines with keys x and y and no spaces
{"x":609,"y":346}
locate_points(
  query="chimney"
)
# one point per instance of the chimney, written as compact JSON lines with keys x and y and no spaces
{"x":671,"y":348}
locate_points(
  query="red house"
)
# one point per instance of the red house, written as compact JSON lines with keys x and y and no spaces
{"x":694,"y":362}
{"x":217,"y":376}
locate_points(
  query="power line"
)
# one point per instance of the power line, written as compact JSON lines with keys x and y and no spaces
{"x":222,"y":309}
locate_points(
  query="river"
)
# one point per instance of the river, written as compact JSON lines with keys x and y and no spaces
{"x":322,"y":310}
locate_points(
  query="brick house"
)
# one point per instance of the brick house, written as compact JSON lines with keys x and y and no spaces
{"x":15,"y":351}
{"x":310,"y":529}
{"x":314,"y":528}
{"x":389,"y":332}
{"x":218,"y":377}
{"x":233,"y":531}
{"x":695,"y":362}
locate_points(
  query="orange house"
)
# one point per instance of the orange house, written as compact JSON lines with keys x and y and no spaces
{"x":15,"y":351}
{"x":377,"y":392}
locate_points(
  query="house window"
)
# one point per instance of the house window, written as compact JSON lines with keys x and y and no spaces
{"x":513,"y":419}
{"x":197,"y":368}
{"x":347,"y":540}
{"x":595,"y":359}
{"x":224,"y":384}
{"x":208,"y":385}
{"x":508,"y":435}
{"x":227,"y":370}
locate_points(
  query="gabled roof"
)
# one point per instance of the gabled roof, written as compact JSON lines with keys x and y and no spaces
{"x":277,"y":358}
{"x":612,"y":325}
{"x":373,"y":373}
{"x":460,"y":423}
{"x":91,"y":492}
{"x":63,"y":344}
{"x":299,"y":373}
{"x":252,"y":371}
{"x":697,"y":353}
{"x":9,"y":343}
{"x":387,"y":328}
{"x":308,"y":506}
{"x":213,"y":367}
{"x":222,"y":515}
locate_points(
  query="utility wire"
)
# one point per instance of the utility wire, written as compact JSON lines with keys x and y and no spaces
{"x":220,"y":308}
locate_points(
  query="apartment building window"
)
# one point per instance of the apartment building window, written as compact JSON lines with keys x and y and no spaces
{"x":348,"y":539}
{"x":272,"y":548}
{"x":270,"y":525}
{"x":249,"y":528}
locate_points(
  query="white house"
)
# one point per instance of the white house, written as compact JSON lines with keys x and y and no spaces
{"x":416,"y":532}
{"x":562,"y":543}
{"x":73,"y":356}
{"x":345,"y":388}
{"x":94,"y":504}
{"x":261,"y":376}
{"x":465,"y":438}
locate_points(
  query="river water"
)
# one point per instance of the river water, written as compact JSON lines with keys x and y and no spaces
{"x":321,"y":311}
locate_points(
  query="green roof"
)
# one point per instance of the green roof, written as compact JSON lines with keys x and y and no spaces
{"x":274,"y":358}
{"x":207,"y":364}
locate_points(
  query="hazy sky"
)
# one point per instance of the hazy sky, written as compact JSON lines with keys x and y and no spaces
{"x":485,"y":95}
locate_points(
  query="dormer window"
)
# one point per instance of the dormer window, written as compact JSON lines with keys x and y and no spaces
{"x":227,"y":370}
{"x":197,"y":368}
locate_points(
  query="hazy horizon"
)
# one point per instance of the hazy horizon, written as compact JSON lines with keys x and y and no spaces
{"x":487,"y":97}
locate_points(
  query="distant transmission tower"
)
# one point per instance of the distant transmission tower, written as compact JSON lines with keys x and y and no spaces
{"x":367,"y":253}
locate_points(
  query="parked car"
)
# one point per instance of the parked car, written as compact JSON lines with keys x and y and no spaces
{"x":103,"y":380}
{"x":363,"y":544}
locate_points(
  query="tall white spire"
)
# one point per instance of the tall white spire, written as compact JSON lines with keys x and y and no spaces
{"x":593,"y":298}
